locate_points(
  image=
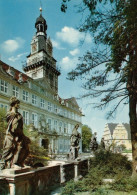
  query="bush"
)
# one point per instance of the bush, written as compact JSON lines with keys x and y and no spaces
{"x":112,"y":163}
{"x":3,"y":126}
{"x":104,"y":165}
{"x":71,"y":188}
{"x":38,"y":154}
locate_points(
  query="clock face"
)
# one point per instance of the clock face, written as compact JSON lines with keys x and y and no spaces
{"x":34,"y":47}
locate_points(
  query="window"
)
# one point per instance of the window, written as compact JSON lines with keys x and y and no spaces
{"x":61,"y":112}
{"x":4,"y":106}
{"x":65,"y":128}
{"x":25,"y":96}
{"x":60,"y":126}
{"x":65,"y":145}
{"x":69,"y":128}
{"x":55,"y":109}
{"x":55,"y":125}
{"x":49,"y":106}
{"x":34,"y":99}
{"x":35,"y":119}
{"x":26,"y":117}
{"x":49,"y":124}
{"x":15,"y":91}
{"x":42,"y":103}
{"x":64,"y":112}
{"x":61,"y":145}
{"x":3,"y":86}
{"x":72,"y":115}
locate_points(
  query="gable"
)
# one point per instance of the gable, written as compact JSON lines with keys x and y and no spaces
{"x":72,"y":101}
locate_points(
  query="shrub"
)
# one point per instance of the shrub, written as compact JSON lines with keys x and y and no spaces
{"x":37,"y":153}
{"x":105,"y":164}
{"x":71,"y":188}
{"x":3,"y":126}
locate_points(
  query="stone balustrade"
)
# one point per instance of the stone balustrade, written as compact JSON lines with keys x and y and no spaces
{"x":41,"y":180}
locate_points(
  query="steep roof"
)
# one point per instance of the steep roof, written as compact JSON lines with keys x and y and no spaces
{"x":111,"y":127}
{"x":5,"y":68}
{"x":72,"y":101}
{"x":127,"y":127}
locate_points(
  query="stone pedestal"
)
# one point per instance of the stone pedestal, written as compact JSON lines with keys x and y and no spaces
{"x":16,"y":181}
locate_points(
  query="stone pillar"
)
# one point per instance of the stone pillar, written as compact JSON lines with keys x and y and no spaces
{"x":12,"y":189}
{"x":89,"y":163}
{"x":62,"y":174}
{"x":76,"y":173}
{"x":40,"y":141}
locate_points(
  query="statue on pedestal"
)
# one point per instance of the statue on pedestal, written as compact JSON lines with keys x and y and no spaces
{"x":16,"y":144}
{"x":93,"y":143}
{"x":102,"y":144}
{"x":74,"y":142}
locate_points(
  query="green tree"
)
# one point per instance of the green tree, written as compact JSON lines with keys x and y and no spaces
{"x":86,"y":137}
{"x":3,"y":126}
{"x":37,"y":153}
{"x":109,"y":69}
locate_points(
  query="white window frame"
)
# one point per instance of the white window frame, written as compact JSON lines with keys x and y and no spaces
{"x":55,"y":108}
{"x":55,"y":125}
{"x":65,"y":128}
{"x":60,"y":126}
{"x":34,"y":99}
{"x":65,"y":113}
{"x":25,"y":117}
{"x":42,"y":103}
{"x":15,"y":91}
{"x":4,"y":106}
{"x":72,"y":115}
{"x":49,"y":123}
{"x":49,"y":106}
{"x":3,"y":86}
{"x":35,"y":119}
{"x":25,"y":96}
{"x":61,"y":145}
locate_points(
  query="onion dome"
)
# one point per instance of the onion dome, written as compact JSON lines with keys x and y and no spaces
{"x":41,"y":24}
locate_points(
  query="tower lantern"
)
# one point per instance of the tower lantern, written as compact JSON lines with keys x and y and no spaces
{"x":41,"y":24}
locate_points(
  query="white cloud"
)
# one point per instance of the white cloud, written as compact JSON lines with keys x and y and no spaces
{"x":74,"y":52}
{"x":56,"y":45}
{"x":16,"y":58}
{"x":73,"y":36}
{"x":12,"y":45}
{"x":68,"y":63}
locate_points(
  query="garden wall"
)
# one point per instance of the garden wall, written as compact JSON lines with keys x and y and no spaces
{"x":41,"y":180}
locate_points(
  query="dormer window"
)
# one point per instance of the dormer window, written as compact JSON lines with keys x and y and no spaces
{"x":10,"y":71}
{"x":20,"y":80}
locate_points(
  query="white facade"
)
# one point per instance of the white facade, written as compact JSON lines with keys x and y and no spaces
{"x":37,"y":91}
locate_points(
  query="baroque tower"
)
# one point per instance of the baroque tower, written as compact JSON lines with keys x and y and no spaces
{"x":40,"y":62}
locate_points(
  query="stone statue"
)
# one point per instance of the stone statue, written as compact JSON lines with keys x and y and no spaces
{"x":74,"y":142}
{"x":93,"y":143}
{"x":16,"y":144}
{"x":102,"y":144}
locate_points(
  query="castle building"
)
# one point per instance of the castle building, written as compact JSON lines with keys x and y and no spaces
{"x":118,"y":133}
{"x":37,"y":89}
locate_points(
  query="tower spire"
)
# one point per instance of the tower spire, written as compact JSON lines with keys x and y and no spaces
{"x":40,"y":8}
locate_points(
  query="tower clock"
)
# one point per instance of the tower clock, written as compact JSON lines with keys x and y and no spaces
{"x":34,"y":47}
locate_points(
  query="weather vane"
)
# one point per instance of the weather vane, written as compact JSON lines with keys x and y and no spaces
{"x":40,"y":7}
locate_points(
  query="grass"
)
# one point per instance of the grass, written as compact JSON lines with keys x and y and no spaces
{"x":108,"y":193}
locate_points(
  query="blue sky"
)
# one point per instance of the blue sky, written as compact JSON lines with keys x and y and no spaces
{"x":17,"y":21}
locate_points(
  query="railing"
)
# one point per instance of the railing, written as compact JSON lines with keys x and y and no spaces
{"x":40,"y":59}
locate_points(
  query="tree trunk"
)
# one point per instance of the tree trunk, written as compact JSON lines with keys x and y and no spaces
{"x":133,"y":123}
